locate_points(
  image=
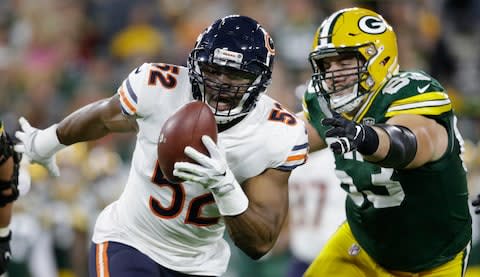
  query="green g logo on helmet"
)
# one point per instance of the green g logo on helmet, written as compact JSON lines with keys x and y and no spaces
{"x":372,"y":25}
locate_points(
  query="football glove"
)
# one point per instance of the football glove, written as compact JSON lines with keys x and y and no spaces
{"x":347,"y":135}
{"x":213,"y":174}
{"x":39,"y":146}
{"x":5,"y":252}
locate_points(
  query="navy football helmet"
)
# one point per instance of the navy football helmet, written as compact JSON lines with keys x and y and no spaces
{"x":238,"y":47}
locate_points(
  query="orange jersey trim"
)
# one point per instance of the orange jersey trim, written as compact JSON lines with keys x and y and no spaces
{"x":101,"y":260}
{"x":125,"y":100}
{"x":296,"y":157}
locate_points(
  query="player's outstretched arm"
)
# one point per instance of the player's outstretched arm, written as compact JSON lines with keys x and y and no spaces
{"x":405,"y":141}
{"x":95,"y":121}
{"x":88,"y":123}
{"x":431,"y":138}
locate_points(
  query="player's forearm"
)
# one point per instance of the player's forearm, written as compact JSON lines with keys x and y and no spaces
{"x":93,"y":121}
{"x":255,"y":231}
{"x":83,"y":125}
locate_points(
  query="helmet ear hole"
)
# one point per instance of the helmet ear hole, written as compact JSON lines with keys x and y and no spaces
{"x":385,"y":61}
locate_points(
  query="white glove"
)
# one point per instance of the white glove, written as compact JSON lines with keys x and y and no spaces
{"x":214,"y":174}
{"x":39,"y":146}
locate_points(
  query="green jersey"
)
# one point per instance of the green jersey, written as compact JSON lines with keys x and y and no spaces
{"x":408,"y":220}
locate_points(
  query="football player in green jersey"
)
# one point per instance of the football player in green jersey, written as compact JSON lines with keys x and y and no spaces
{"x":397,"y":154}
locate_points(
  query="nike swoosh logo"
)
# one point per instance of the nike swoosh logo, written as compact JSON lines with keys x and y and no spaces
{"x":422,"y":89}
{"x":137,"y":70}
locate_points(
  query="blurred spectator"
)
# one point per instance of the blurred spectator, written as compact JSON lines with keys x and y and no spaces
{"x":316,"y":209}
{"x":139,"y":40}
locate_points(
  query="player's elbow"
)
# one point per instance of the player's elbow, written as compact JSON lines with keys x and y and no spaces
{"x":256,"y":250}
{"x":432,"y":145}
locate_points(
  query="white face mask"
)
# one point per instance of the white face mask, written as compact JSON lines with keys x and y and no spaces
{"x":346,"y":102}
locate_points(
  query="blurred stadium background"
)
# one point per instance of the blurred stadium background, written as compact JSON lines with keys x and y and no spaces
{"x":57,"y":55}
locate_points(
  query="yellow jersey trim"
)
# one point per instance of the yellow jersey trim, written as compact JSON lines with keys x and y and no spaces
{"x":421,"y":98}
{"x":432,"y":103}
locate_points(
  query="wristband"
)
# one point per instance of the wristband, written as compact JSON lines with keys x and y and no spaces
{"x":46,"y":142}
{"x":370,"y":142}
{"x":230,"y":199}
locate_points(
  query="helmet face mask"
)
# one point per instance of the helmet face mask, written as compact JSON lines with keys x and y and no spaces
{"x":353,"y":33}
{"x":225,"y":89}
{"x":230,"y":65}
{"x":340,"y":84}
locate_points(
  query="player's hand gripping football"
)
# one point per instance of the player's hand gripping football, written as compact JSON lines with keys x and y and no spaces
{"x":39,"y":146}
{"x":213,"y":174}
{"x":347,"y":135}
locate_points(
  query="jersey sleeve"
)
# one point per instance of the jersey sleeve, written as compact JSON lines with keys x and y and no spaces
{"x":297,"y":156}
{"x":417,"y":93}
{"x":298,"y":152}
{"x":131,"y":90}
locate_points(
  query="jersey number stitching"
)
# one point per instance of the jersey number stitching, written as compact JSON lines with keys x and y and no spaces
{"x":392,"y":197}
{"x":165,"y":74}
{"x":282,"y":115}
{"x":402,"y":80}
{"x":193,"y":215}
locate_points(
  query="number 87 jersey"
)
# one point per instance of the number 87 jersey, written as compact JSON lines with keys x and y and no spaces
{"x":176,"y":225}
{"x":414,"y":219}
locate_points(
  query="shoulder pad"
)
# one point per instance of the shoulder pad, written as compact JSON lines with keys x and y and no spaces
{"x":415,"y":92}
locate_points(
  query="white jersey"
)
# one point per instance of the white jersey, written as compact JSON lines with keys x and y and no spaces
{"x":316,"y":205}
{"x":179,"y":226}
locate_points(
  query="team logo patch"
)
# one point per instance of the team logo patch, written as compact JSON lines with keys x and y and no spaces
{"x":269,"y":44}
{"x":354,"y":250}
{"x":372,"y":25}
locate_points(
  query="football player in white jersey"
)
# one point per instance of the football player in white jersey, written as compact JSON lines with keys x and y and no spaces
{"x":157,"y":228}
{"x":316,"y":210}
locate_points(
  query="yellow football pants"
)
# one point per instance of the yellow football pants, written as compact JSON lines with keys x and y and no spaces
{"x":342,"y":256}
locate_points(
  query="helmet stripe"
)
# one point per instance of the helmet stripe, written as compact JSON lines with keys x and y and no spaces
{"x":326,"y":32}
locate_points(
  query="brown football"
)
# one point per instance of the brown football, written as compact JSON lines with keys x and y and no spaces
{"x":184,"y":128}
